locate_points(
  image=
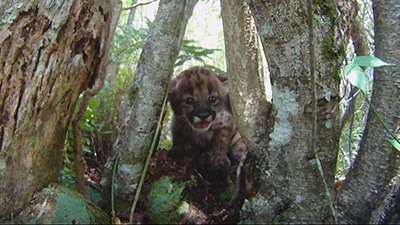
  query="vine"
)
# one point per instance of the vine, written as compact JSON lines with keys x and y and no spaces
{"x":356,"y":77}
{"x":310,"y":21}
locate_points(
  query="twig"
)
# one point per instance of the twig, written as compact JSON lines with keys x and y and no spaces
{"x":120,"y":52}
{"x":113,"y":188}
{"x":350,"y":140}
{"x":350,"y":109}
{"x":138,"y":4}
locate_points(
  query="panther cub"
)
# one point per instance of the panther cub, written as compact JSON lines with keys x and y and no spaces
{"x":203,"y":127}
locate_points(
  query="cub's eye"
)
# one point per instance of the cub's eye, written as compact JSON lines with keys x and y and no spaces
{"x":212,"y":99}
{"x":189,"y":101}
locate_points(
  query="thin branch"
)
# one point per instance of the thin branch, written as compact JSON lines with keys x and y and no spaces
{"x":126,"y":48}
{"x":350,"y":108}
{"x":113,"y":188}
{"x":310,"y":19}
{"x":350,"y":140}
{"x":313,"y":74}
{"x":138,"y":4}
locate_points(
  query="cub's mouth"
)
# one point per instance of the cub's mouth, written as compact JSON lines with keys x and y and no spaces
{"x":202,"y":124}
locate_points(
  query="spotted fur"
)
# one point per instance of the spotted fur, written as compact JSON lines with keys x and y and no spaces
{"x":203,"y":126}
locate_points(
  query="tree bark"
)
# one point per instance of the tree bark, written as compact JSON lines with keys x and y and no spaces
{"x":76,"y":121}
{"x":148,"y":90}
{"x":49,"y":52}
{"x":246,"y":80}
{"x":376,"y":163}
{"x":291,"y":185}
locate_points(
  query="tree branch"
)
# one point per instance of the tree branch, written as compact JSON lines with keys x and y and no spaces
{"x":138,"y":4}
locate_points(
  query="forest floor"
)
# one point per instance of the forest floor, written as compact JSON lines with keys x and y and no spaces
{"x":206,"y":196}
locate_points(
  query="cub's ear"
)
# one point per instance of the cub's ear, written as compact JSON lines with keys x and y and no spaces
{"x":226,"y":86}
{"x":224,"y":82}
{"x":225,"y":98}
{"x":171,"y":91}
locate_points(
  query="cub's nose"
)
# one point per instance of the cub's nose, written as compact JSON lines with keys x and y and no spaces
{"x":203,"y":115}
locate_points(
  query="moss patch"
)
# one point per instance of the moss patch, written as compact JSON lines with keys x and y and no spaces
{"x":59,"y":205}
{"x":165,"y":197}
{"x":328,"y":49}
{"x":336,"y":73}
{"x":327,"y":7}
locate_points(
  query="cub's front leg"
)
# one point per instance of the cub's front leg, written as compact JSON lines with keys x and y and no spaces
{"x":180,"y":149}
{"x":218,"y":154}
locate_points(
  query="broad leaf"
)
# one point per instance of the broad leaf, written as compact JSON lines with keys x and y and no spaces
{"x":395,"y":144}
{"x":350,"y":67}
{"x":356,"y":76}
{"x":369,"y":61}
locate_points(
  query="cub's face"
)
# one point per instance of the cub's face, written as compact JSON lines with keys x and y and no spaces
{"x":197,"y":94}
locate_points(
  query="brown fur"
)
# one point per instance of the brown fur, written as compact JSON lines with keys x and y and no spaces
{"x":220,"y":146}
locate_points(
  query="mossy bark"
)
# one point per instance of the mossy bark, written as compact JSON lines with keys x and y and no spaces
{"x":59,"y":205}
{"x":49,"y":53}
{"x":153,"y":74}
{"x":292,"y":190}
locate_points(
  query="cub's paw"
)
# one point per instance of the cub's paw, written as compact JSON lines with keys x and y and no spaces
{"x":220,"y":163}
{"x":175,"y":152}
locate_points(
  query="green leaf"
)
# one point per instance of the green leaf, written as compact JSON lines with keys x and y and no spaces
{"x":87,"y":149}
{"x":356,"y":76}
{"x":86,"y":126}
{"x":70,"y":155}
{"x":350,"y":67}
{"x":94,"y":102}
{"x":69,"y":173}
{"x":395,"y":144}
{"x":369,"y":61}
{"x":85,"y":140}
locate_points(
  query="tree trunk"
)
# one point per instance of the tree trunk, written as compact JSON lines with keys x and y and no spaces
{"x":132,"y":13}
{"x":245,"y":76}
{"x":49,"y":53}
{"x":376,"y":163}
{"x":149,"y":88}
{"x":291,"y":185}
